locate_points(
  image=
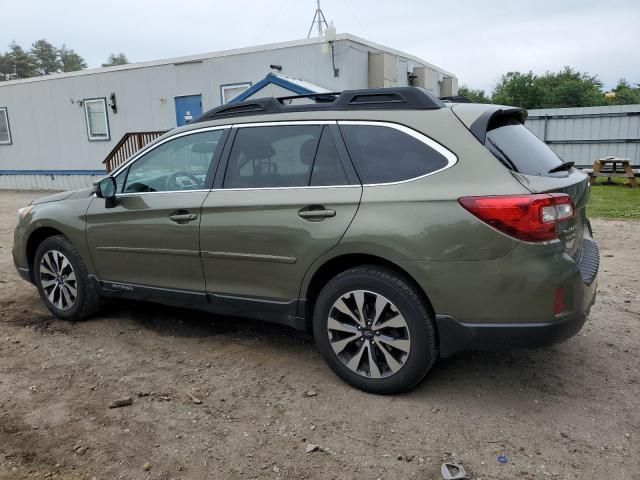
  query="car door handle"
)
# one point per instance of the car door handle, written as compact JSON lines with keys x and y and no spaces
{"x":182,"y":217}
{"x":316,"y":214}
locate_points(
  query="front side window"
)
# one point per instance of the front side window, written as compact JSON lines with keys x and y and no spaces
{"x":5,"y":131}
{"x":179,"y":164}
{"x":272,"y":156}
{"x":95,"y":111}
{"x":383,"y":154}
{"x":229,"y":92}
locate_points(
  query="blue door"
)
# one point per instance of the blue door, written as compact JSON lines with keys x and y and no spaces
{"x":188,"y":108}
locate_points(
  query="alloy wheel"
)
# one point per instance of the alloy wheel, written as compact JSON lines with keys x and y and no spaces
{"x":58,"y":279}
{"x":368,"y":334}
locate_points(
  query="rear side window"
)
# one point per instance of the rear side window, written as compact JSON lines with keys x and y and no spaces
{"x":520,"y":150}
{"x":272,"y":156}
{"x":383,"y":154}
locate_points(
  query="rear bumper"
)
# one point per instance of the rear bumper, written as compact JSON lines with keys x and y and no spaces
{"x":456,"y":335}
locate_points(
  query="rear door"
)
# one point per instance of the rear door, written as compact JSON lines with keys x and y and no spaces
{"x":286,"y":196}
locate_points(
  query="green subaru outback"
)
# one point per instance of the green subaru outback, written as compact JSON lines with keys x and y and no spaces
{"x":396,"y":227}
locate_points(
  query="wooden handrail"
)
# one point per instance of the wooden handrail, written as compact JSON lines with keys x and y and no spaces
{"x":128,"y":145}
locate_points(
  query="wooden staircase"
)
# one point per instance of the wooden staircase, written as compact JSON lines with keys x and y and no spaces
{"x":129,"y":144}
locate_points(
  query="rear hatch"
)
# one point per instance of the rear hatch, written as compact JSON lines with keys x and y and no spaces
{"x":534,"y":165}
{"x":540,"y":170}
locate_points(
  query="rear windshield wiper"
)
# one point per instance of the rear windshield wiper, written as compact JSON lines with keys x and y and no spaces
{"x":563,"y":166}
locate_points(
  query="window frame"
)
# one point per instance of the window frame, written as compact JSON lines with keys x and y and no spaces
{"x":216,"y":160}
{"x":222,"y":156}
{"x":94,"y":138}
{"x":227,"y":86}
{"x":6,"y":116}
{"x":266,"y":125}
{"x":352,"y":177}
{"x":451,"y":157}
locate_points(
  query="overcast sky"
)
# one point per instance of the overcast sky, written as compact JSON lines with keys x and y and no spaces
{"x":476,"y":40}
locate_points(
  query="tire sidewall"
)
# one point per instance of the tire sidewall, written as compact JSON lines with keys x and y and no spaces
{"x":57,"y":243}
{"x":423,"y":350}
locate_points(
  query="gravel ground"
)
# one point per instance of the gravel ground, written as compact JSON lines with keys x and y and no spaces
{"x":216,"y":397}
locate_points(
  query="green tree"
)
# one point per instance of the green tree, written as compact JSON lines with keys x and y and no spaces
{"x":477,"y":96}
{"x":70,"y":61}
{"x":570,"y":88}
{"x":45,"y":57}
{"x":6,"y":67}
{"x":22,"y":64}
{"x":520,"y":90}
{"x":566,"y":88}
{"x":624,"y":94}
{"x":116,"y":59}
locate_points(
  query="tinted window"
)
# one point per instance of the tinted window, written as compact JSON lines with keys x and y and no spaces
{"x":179,"y":164}
{"x":519,"y":149}
{"x":327,"y":167}
{"x":273,"y":156}
{"x":383,"y":154}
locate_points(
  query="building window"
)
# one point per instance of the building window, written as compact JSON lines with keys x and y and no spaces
{"x":5,"y":131}
{"x":231,"y":91}
{"x":95,"y":112}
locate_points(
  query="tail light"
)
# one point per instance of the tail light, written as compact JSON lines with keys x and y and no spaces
{"x":531,"y":218}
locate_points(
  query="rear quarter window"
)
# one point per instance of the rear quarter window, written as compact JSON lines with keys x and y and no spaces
{"x":383,"y":154}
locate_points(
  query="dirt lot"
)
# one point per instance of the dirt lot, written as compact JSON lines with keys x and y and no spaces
{"x":569,"y":411}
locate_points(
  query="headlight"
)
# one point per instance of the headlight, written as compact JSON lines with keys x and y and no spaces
{"x":23,"y":212}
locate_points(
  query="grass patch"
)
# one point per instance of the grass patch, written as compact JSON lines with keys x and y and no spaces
{"x":614,"y":201}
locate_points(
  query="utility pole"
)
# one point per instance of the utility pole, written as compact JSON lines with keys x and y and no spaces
{"x":318,"y":18}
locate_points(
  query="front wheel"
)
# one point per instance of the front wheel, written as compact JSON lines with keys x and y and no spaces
{"x":62,"y":280}
{"x":373,"y":328}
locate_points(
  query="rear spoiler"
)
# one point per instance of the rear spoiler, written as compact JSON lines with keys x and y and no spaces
{"x":493,"y":118}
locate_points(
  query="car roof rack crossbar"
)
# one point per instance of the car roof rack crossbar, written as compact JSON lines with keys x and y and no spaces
{"x":400,"y":98}
{"x":457,"y":99}
{"x":318,"y":97}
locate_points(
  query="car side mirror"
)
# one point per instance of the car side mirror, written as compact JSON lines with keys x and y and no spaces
{"x":107,"y":188}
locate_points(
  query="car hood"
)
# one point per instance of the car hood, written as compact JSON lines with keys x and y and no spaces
{"x":56,"y":197}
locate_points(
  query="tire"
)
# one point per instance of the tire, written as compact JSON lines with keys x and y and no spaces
{"x":400,"y":303}
{"x":57,"y":260}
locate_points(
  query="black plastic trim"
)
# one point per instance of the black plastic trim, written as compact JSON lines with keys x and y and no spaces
{"x":283,"y":312}
{"x":456,"y":336}
{"x":589,"y":261}
{"x":487,"y":120}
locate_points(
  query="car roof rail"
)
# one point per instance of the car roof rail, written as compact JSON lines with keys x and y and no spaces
{"x":400,"y":98}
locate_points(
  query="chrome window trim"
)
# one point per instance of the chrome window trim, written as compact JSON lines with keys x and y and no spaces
{"x":284,"y":123}
{"x":451,"y":157}
{"x":135,"y":194}
{"x":148,"y":149}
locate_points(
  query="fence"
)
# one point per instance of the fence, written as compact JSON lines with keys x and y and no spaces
{"x":585,"y":134}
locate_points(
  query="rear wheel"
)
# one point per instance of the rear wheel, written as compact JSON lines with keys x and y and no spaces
{"x":374,"y":330}
{"x":62,"y":280}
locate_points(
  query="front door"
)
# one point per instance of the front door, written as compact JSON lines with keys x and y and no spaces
{"x":188,"y":108}
{"x":149,"y":239}
{"x":285,"y":199}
